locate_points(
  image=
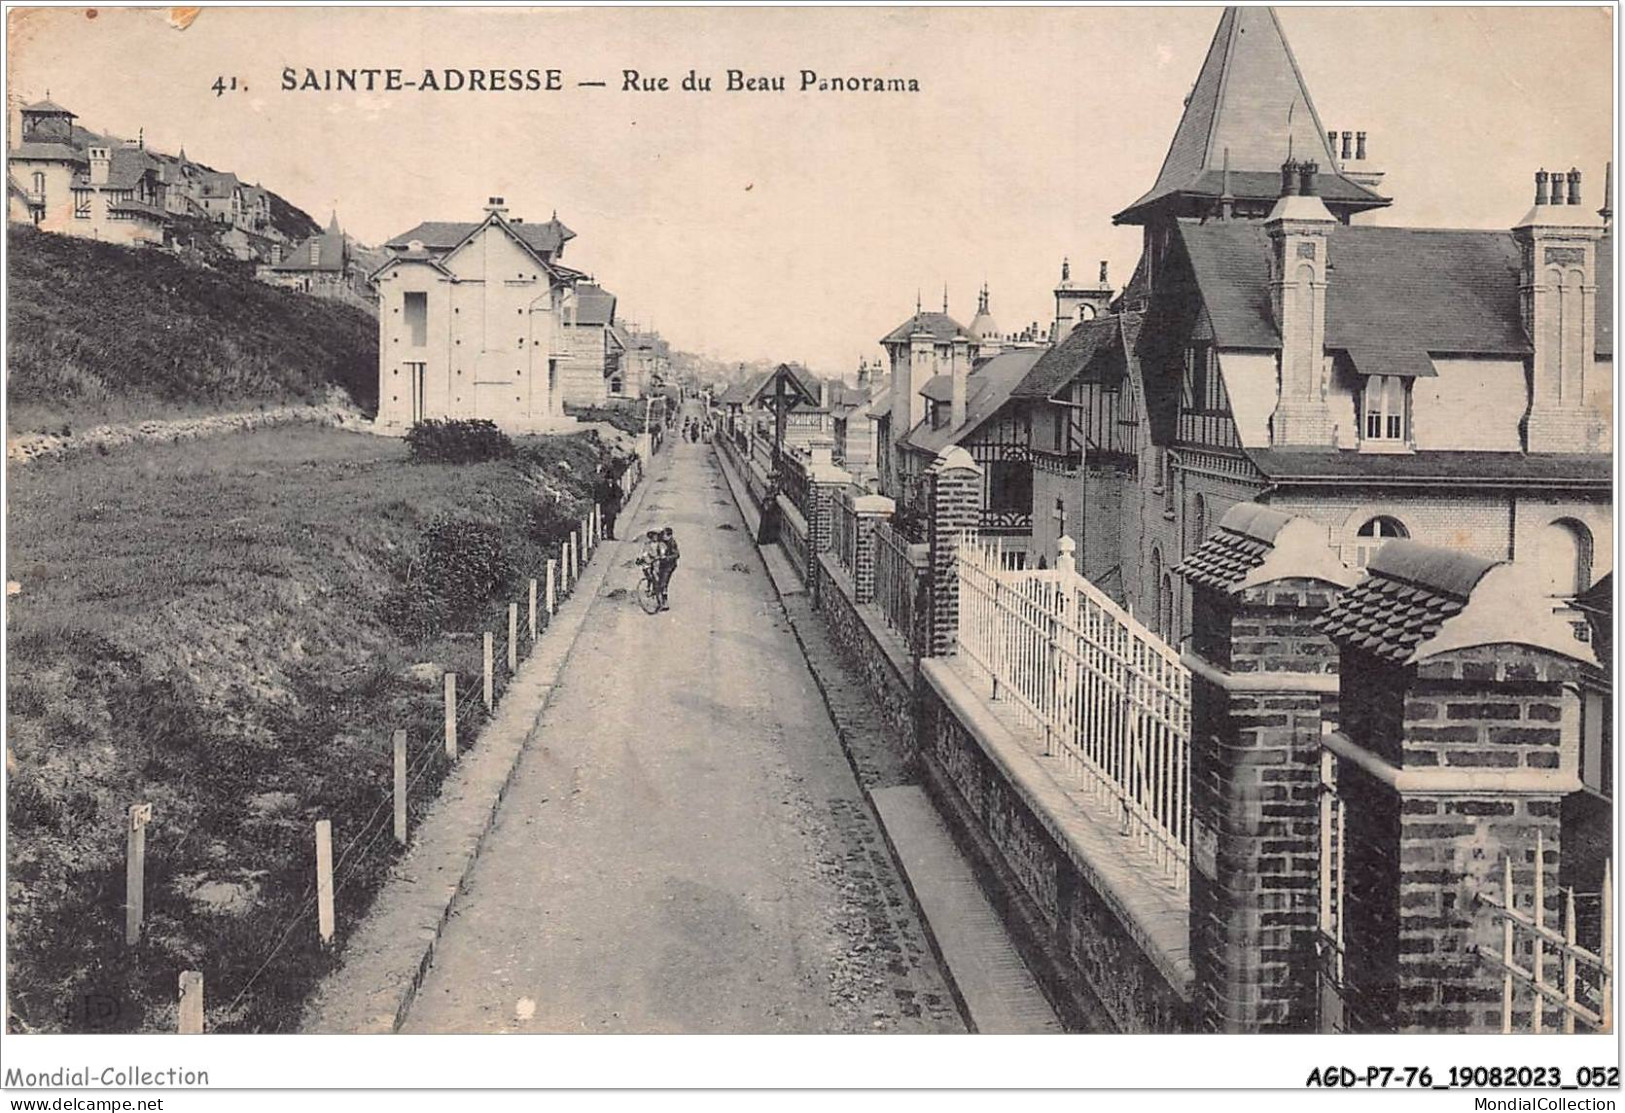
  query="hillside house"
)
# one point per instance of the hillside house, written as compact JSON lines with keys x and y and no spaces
{"x":325,"y":265}
{"x":469,"y":322}
{"x":591,"y":355}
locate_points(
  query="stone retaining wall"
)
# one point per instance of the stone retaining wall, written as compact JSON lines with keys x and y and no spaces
{"x":869,"y":649}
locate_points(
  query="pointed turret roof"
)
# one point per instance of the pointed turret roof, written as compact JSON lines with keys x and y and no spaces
{"x":1250,"y":100}
{"x":333,"y":224}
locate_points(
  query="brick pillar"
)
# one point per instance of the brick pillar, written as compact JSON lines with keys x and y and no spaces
{"x":1458,"y":740}
{"x":1262,"y":676}
{"x":826,"y":486}
{"x":954,"y":504}
{"x":1447,"y":768}
{"x":870,"y":510}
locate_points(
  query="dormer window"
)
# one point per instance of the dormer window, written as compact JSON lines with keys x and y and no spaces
{"x":1385,"y":411}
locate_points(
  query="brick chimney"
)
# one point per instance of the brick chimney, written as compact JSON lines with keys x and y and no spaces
{"x":959,"y":369}
{"x":101,"y":164}
{"x":1557,"y":284}
{"x":917,"y":371}
{"x":496,"y":205}
{"x":1298,"y":228}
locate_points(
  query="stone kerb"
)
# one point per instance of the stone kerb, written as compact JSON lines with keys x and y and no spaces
{"x":1261,"y":673}
{"x":1459,"y":739}
{"x":953,"y":503}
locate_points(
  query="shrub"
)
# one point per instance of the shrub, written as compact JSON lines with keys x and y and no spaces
{"x":461,"y":563}
{"x":457,"y":441}
{"x":413,"y":614}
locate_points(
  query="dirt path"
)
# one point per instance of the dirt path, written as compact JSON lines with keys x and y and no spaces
{"x":684,"y":847}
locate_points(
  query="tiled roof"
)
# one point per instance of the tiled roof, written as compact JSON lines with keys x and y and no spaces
{"x":739,"y":393}
{"x":943,"y":329}
{"x":1408,"y":289}
{"x":1245,"y":537}
{"x":594,"y":305}
{"x":546,"y":237}
{"x":126,"y":167}
{"x":987,"y":389}
{"x":1250,"y":100}
{"x":1434,"y":468}
{"x":329,"y":258}
{"x":48,"y":106}
{"x":45,"y":152}
{"x":1093,"y":348}
{"x":139,"y":208}
{"x":1410,"y":592}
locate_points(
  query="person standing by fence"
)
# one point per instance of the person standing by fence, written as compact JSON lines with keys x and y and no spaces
{"x":608,"y":493}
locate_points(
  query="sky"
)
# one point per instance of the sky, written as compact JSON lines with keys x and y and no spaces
{"x":803,"y":225}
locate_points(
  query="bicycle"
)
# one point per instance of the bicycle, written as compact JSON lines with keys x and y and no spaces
{"x":649,"y":595}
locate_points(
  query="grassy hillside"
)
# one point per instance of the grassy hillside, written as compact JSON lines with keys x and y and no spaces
{"x":100,"y":332}
{"x":216,"y":628}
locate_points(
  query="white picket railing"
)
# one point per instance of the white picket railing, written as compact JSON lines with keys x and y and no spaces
{"x":1110,"y":697}
{"x":1547,"y":970}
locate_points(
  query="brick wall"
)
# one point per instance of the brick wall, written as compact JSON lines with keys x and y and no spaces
{"x":955,"y":499}
{"x":1418,"y":856}
{"x":1255,"y":775}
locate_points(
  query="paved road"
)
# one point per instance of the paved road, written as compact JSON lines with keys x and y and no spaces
{"x":684,"y":847}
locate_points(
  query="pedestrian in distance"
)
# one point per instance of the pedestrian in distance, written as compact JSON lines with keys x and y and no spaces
{"x":609,"y":497}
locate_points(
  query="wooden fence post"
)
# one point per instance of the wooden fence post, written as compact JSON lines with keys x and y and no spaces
{"x":451,"y":715}
{"x":135,"y":873}
{"x":532,"y":609}
{"x":551,"y":594}
{"x":190,"y":1022}
{"x":564,"y":566}
{"x":489,"y":700}
{"x":513,"y":638}
{"x":400,"y":787}
{"x":324,"y":880}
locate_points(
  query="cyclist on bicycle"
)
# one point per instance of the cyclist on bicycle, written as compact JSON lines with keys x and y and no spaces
{"x":668,"y":563}
{"x":652,"y":560}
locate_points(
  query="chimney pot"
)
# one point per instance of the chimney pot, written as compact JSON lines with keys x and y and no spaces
{"x":1103,"y":281}
{"x":1331,"y":141}
{"x":1306,"y":179}
{"x":1557,"y":188}
{"x":1574,"y":187}
{"x":1540,"y":187}
{"x":1348,"y":145}
{"x":1289,"y":168}
{"x":1359,"y":146}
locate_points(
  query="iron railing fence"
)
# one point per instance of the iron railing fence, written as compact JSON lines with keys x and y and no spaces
{"x":1109,"y":696}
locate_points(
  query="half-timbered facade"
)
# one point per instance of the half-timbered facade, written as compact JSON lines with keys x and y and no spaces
{"x":979,"y":415}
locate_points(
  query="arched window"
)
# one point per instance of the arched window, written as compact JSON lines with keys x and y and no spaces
{"x":1370,"y":537}
{"x":1165,"y":608}
{"x":1152,"y":593}
{"x":1563,"y":557}
{"x":1198,"y":525}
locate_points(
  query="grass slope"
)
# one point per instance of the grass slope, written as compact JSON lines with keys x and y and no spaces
{"x":203,"y":627}
{"x":103,"y":332}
